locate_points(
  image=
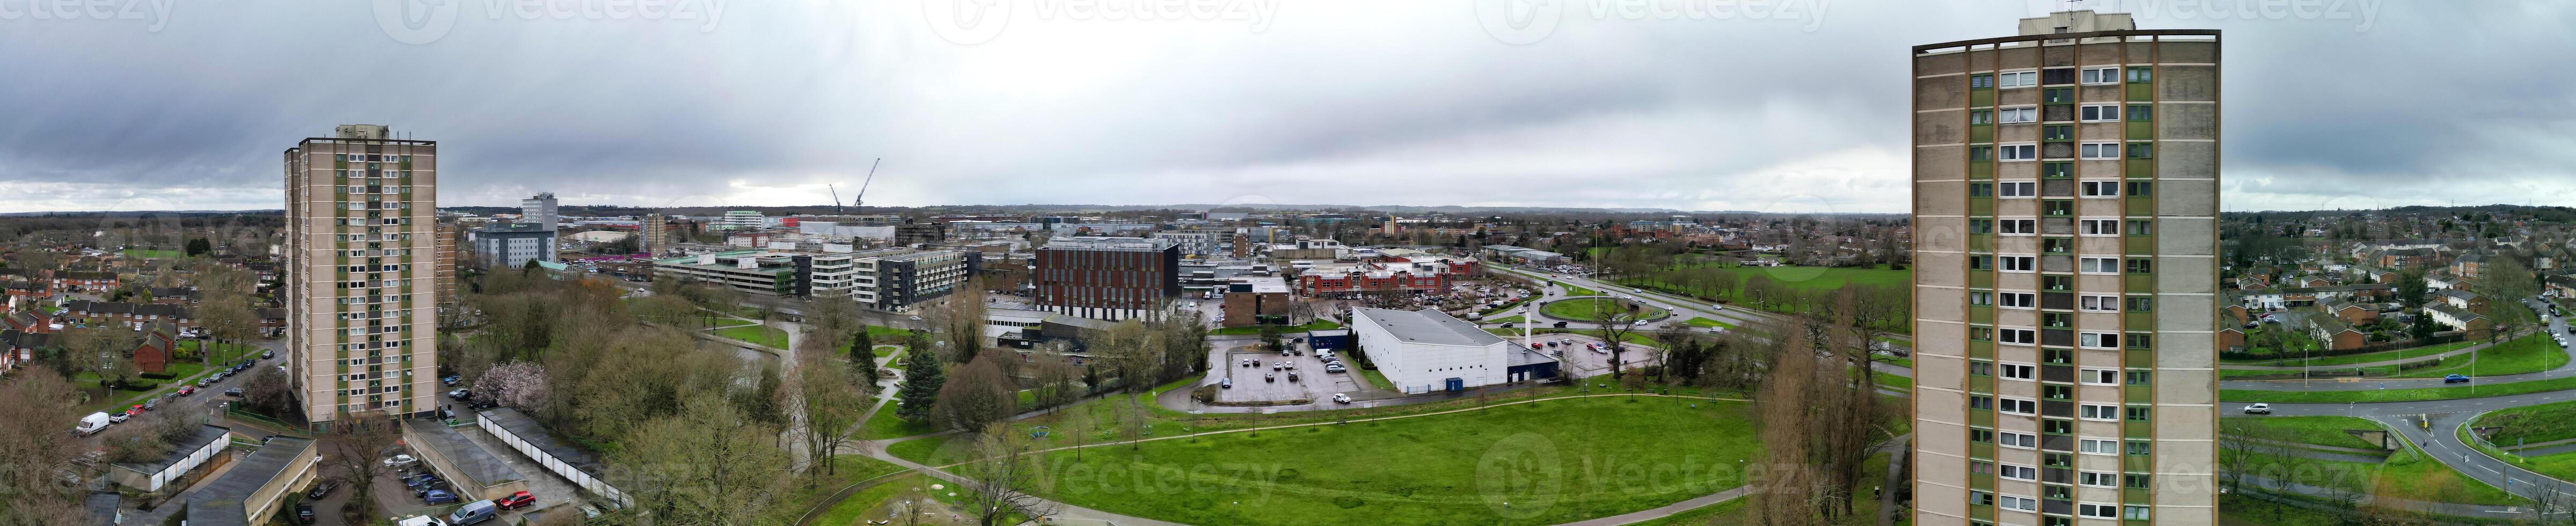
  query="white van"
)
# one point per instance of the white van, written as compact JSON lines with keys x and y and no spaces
{"x":93,"y":423}
{"x":423,"y":520}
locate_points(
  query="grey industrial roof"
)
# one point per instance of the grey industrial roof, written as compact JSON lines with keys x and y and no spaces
{"x":536,"y":435}
{"x":205,"y":434}
{"x":220,"y":503}
{"x":101,"y":507}
{"x":477,"y":463}
{"x":1428,"y":326}
{"x":1522,"y":355}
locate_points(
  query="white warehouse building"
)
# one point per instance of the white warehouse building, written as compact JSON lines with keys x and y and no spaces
{"x":1426,"y":351}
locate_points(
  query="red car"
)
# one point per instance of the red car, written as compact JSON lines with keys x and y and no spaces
{"x":186,"y":390}
{"x":137,"y":410}
{"x":515,"y":500}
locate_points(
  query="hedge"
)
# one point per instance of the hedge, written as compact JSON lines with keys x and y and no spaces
{"x":159,"y":376}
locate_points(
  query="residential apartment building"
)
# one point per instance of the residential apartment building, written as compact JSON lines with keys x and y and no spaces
{"x":2066,"y":194}
{"x":360,"y":210}
{"x":448,"y":238}
{"x":898,"y":279}
{"x":655,"y":234}
{"x":1196,"y":241}
{"x":1109,"y":278}
{"x":742,"y":220}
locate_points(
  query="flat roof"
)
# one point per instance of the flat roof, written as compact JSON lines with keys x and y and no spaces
{"x":1522,"y":355}
{"x":477,"y":463}
{"x":1428,"y":326}
{"x":188,"y":445}
{"x":101,"y":507}
{"x":535,"y":434}
{"x":220,"y":503}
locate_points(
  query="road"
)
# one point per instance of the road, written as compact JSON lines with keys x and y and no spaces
{"x":2554,"y":326}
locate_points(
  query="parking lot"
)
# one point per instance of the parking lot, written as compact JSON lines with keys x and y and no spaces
{"x":1313,"y":383}
{"x":1575,"y":361}
{"x":550,"y":489}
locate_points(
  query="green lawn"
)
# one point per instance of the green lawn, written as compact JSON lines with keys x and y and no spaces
{"x":1815,"y":278}
{"x":1508,"y":319}
{"x":2397,"y":395}
{"x":2418,"y":476}
{"x":1377,"y":380}
{"x":2528,"y":354}
{"x":883,"y":335}
{"x":851,"y":510}
{"x":807,"y":489}
{"x":2398,"y":354}
{"x":925,"y":450}
{"x":1585,"y":309}
{"x":756,"y":334}
{"x":2532,"y":423}
{"x":1891,"y":381}
{"x":1593,"y":457}
{"x":1705,"y":322}
{"x":150,"y":254}
{"x":1571,"y":290}
{"x":885,"y":425}
{"x":1284,"y":330}
{"x":2319,"y":430}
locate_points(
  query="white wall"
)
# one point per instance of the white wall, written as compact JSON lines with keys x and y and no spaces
{"x":1422,"y":368}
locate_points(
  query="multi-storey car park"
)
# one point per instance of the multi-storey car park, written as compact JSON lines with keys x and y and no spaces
{"x":2065,"y":184}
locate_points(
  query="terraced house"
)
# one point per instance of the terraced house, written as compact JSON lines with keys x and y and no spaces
{"x":2066,"y":197}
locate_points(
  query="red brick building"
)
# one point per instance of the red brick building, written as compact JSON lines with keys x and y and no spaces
{"x":1107,"y":278}
{"x":156,"y":351}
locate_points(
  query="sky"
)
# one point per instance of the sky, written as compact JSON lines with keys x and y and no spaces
{"x":1778,"y":105}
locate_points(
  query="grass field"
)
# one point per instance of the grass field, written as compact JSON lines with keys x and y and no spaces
{"x":1516,"y":318}
{"x":769,"y":336}
{"x":150,"y":254}
{"x":1284,"y":330}
{"x":1585,"y":309}
{"x":1377,"y":380}
{"x":2319,"y":430}
{"x":1593,"y":453}
{"x":2532,"y":423}
{"x":885,"y":425}
{"x":1705,"y":322}
{"x":880,"y":502}
{"x":2396,"y":354}
{"x":2397,"y":395}
{"x":1571,"y":290}
{"x":1815,"y":278}
{"x":2528,"y":354}
{"x":2408,"y":474}
{"x":804,"y":491}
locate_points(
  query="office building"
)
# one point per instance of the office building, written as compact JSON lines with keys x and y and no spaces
{"x":742,"y":220}
{"x":540,"y":210}
{"x":2065,"y":185}
{"x":513,"y":245}
{"x":1108,"y":278}
{"x":360,"y":262}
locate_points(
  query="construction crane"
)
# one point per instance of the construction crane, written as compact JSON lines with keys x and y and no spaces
{"x":860,"y":202}
{"x":836,"y":198}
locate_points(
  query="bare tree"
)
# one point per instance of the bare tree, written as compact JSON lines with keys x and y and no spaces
{"x":34,"y":440}
{"x":831,"y":403}
{"x":267,"y":391}
{"x":1615,"y":324}
{"x":1785,"y":490}
{"x":363,"y":437}
{"x":1001,"y":477}
{"x":707,"y":464}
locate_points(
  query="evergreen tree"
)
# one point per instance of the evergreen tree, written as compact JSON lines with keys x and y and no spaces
{"x":920,"y":390}
{"x":863,"y":356}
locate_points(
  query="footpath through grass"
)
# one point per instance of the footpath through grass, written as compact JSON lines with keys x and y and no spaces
{"x":756,"y":334}
{"x":1425,"y":470}
{"x":2397,"y":395}
{"x":2349,"y":359}
{"x":2527,"y":354}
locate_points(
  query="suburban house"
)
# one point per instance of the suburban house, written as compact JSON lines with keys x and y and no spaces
{"x":2468,"y":265}
{"x":2463,"y":299}
{"x":2474,"y":324}
{"x":158,"y":347}
{"x":2348,"y":311}
{"x":2334,"y":334}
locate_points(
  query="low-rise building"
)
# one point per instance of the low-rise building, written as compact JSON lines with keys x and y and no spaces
{"x":474,"y":472}
{"x":1428,"y":351}
{"x":185,"y":454}
{"x":258,"y":484}
{"x":1257,"y":300}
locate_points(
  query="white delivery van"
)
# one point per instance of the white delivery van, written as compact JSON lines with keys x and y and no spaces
{"x":92,"y":423}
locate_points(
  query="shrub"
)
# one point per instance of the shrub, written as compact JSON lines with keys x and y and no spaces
{"x":159,"y":376}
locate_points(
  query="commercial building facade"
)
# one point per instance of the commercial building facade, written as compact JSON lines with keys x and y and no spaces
{"x":2066,"y":275}
{"x":540,"y":210}
{"x":1108,"y":278}
{"x":513,"y":245}
{"x":1428,"y":351}
{"x":361,"y":333}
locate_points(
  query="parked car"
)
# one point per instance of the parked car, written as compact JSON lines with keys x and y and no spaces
{"x":516,"y":500}
{"x":267,"y":354}
{"x":460,"y":394}
{"x":2456,"y":379}
{"x":2258,"y":409}
{"x":451,"y":380}
{"x":1268,"y":377}
{"x":233,"y":392}
{"x":1341,"y":398}
{"x":323,"y":488}
{"x":401,"y":461}
{"x":1292,"y":377}
{"x":1227,"y":383}
{"x":202,"y":382}
{"x":151,"y":404}
{"x":1334,"y":368}
{"x":438,"y":496}
{"x":417,"y":479}
{"x":474,"y":512}
{"x":304,"y":513}
{"x":117,"y":417}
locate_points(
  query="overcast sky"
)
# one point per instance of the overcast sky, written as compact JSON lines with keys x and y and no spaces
{"x":1794,"y":105}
